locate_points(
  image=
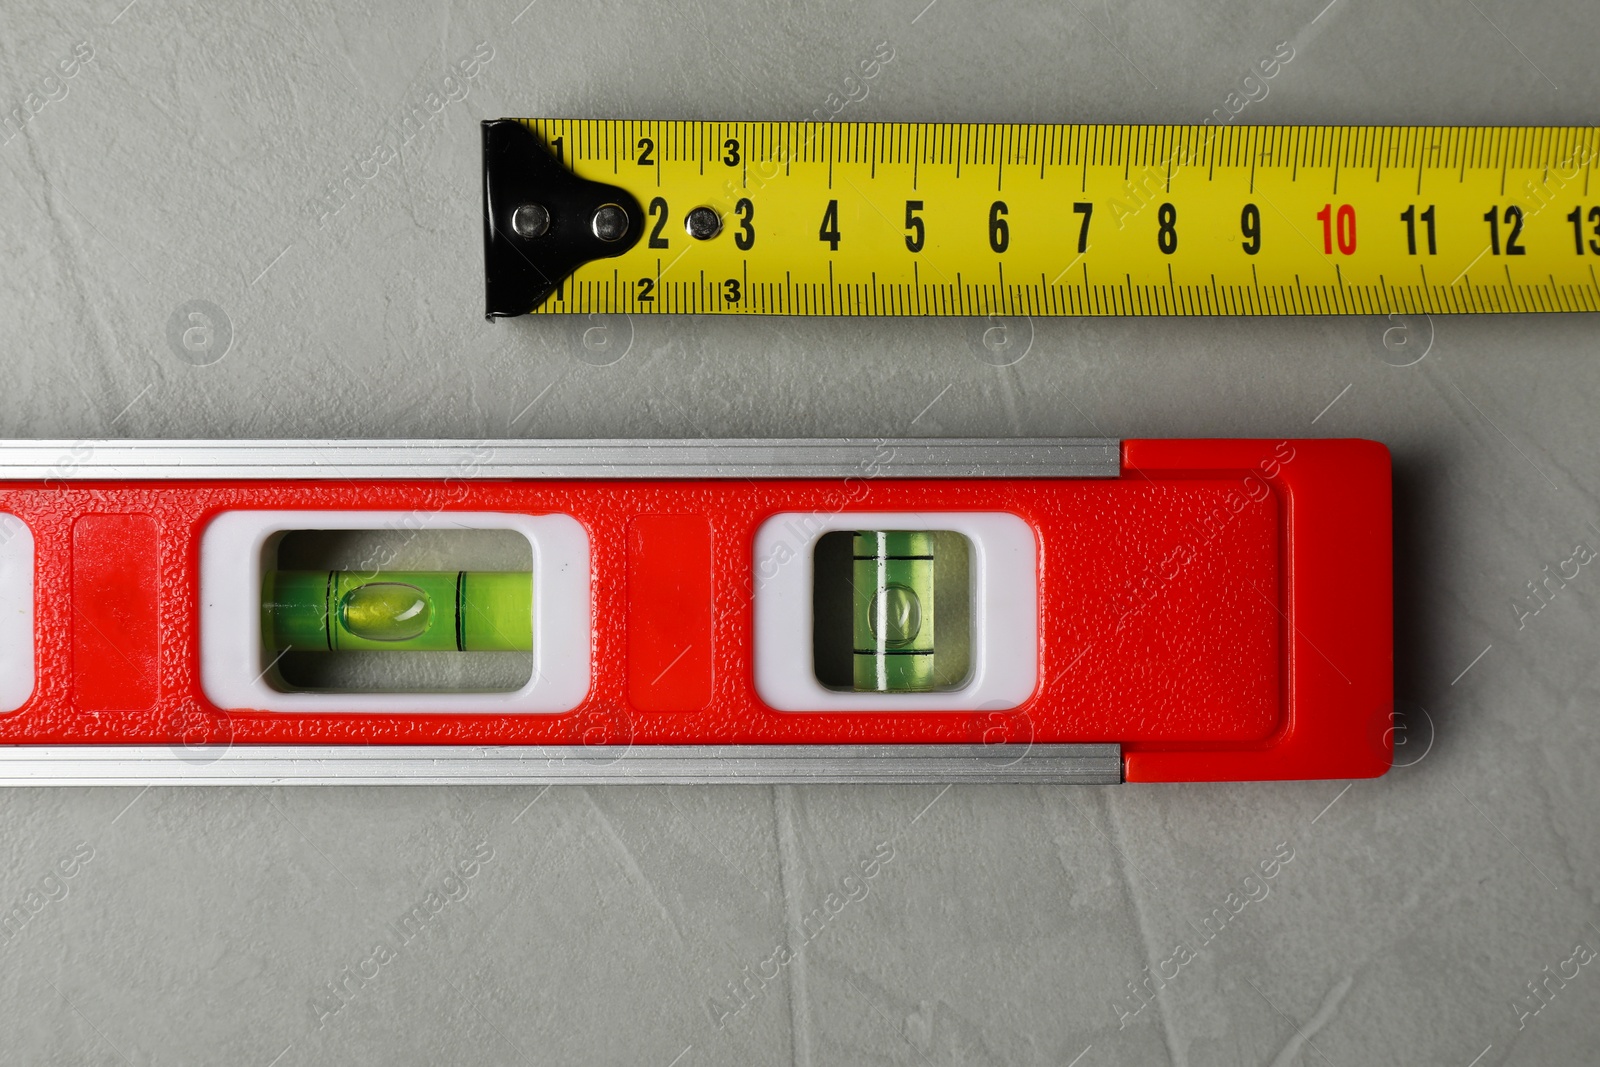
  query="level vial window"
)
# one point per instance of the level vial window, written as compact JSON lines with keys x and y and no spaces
{"x":892,"y":611}
{"x":385,"y":611}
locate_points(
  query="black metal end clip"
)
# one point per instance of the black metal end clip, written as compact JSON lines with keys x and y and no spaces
{"x":541,"y":221}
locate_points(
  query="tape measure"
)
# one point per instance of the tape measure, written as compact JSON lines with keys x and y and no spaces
{"x":804,"y":218}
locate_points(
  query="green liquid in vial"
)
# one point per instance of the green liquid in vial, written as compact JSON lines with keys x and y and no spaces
{"x":893,"y":594}
{"x":402,"y":611}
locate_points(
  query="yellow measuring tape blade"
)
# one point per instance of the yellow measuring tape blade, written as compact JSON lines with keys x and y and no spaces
{"x":939,"y":219}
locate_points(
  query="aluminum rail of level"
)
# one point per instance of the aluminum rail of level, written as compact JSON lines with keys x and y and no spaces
{"x":54,"y":765}
{"x":1034,"y":457}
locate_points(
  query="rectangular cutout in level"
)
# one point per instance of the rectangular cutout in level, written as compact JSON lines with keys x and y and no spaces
{"x":398,"y":610}
{"x":17,"y":668}
{"x":892,"y":610}
{"x":116,"y":581}
{"x":244,"y":552}
{"x":1002,"y":611}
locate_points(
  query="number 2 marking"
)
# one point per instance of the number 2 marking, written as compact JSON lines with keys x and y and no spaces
{"x":658,"y":208}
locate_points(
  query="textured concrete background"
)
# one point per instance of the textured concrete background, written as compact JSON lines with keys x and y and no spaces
{"x":188,"y":159}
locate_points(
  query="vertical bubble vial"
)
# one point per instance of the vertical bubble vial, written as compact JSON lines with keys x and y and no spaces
{"x":892,"y":589}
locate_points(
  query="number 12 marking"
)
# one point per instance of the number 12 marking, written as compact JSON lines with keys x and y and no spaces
{"x":1514,"y":220}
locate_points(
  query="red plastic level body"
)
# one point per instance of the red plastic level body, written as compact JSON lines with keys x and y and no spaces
{"x":1222,"y":610}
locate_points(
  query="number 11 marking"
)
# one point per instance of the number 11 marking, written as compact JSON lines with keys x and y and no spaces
{"x":1409,"y":216}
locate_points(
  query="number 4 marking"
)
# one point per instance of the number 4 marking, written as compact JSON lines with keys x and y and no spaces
{"x":830,"y":226}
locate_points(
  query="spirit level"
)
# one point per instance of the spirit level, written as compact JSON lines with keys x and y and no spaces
{"x":802,"y":218}
{"x":1030,"y":610}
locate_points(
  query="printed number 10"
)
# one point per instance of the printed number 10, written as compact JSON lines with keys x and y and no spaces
{"x":1345,"y":225}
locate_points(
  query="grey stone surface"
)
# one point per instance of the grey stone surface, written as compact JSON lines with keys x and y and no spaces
{"x":186,"y":161}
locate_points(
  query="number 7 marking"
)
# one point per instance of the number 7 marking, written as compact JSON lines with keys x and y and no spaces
{"x":1087,"y":211}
